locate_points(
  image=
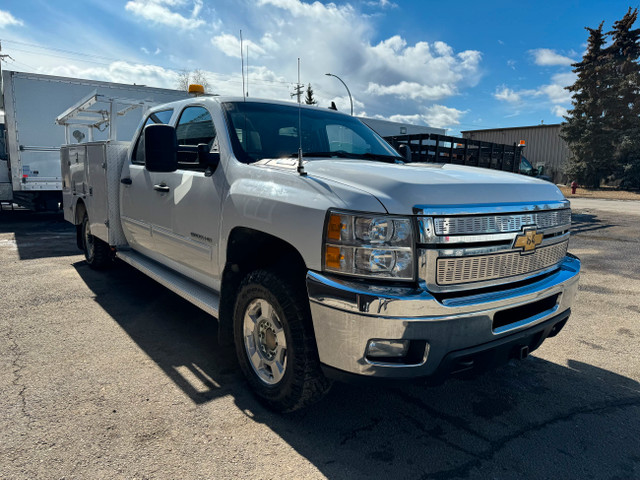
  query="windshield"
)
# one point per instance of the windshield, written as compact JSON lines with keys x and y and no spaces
{"x":263,"y":130}
{"x":525,"y":166}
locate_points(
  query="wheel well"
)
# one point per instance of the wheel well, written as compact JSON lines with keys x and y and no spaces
{"x":249,"y":250}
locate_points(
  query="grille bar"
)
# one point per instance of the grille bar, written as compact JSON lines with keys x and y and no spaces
{"x":458,"y":270}
{"x":487,"y":224}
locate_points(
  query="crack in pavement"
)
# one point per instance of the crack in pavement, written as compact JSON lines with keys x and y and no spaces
{"x":17,"y":367}
{"x":495,"y":446}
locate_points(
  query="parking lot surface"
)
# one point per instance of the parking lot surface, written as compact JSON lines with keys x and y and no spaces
{"x":109,"y":375}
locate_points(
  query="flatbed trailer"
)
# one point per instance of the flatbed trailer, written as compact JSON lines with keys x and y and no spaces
{"x":435,"y":148}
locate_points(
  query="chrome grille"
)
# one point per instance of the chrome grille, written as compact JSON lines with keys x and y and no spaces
{"x":458,"y":270}
{"x":487,"y":224}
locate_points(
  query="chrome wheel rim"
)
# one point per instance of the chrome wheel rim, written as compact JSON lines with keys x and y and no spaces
{"x":264,"y":341}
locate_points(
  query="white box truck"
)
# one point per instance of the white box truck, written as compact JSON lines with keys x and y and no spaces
{"x":30,"y":173}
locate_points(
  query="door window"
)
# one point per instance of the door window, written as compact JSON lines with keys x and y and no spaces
{"x":156,"y":117}
{"x":195,"y":127}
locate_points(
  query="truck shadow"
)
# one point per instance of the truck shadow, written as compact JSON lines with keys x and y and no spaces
{"x":585,"y":222}
{"x":38,"y":235}
{"x":533,"y":419}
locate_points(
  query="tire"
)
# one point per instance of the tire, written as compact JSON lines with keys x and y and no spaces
{"x":97,"y":253}
{"x":275,"y":344}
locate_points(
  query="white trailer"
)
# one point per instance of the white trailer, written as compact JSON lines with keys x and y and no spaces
{"x":30,"y":172}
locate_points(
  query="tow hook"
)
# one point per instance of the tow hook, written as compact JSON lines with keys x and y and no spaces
{"x":524,"y":352}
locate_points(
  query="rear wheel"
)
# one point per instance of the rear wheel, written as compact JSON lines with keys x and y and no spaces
{"x":275,"y":343}
{"x":97,"y":253}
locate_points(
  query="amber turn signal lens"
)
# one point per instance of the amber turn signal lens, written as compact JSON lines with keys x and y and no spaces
{"x":334,"y":229}
{"x":332,"y":257}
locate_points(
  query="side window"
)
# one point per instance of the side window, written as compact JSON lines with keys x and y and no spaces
{"x":194,"y":128}
{"x":156,"y":117}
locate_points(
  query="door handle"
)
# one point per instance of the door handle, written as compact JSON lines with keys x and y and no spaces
{"x":161,"y":188}
{"x":126,"y":181}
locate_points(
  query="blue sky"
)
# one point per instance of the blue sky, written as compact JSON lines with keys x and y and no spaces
{"x":456,"y":65}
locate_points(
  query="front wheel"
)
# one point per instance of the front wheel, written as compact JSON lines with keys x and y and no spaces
{"x":97,"y":253}
{"x":275,"y":343}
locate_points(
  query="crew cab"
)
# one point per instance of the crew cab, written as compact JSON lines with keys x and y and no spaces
{"x":322,"y":251}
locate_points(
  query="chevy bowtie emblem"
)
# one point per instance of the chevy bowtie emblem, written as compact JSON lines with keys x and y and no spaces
{"x":528,"y":240}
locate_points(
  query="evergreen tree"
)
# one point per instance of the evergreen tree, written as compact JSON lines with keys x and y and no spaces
{"x":586,"y":131}
{"x":308,"y":98}
{"x":624,"y":100}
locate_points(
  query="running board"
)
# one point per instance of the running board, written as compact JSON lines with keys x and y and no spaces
{"x":191,"y":291}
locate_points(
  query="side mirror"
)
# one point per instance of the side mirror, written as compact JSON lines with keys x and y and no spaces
{"x":160,"y":148}
{"x":405,"y":150}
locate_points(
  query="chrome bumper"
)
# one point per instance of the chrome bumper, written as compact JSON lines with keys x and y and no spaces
{"x":347,"y":314}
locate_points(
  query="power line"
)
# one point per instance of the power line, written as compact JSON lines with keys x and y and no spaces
{"x":72,"y":55}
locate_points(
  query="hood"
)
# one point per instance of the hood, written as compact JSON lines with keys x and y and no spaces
{"x":401,"y":187}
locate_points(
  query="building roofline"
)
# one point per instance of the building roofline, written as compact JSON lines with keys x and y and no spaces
{"x":511,"y":128}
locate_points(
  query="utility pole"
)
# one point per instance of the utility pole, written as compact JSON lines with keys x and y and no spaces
{"x":3,"y":58}
{"x":299,"y":87}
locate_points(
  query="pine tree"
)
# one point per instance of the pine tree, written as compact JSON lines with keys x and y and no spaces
{"x":586,"y":130}
{"x":624,"y":101}
{"x":308,"y":98}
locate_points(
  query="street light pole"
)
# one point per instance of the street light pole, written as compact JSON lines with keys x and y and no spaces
{"x":345,"y":86}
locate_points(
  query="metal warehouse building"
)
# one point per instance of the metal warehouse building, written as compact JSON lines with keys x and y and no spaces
{"x":544,"y":147}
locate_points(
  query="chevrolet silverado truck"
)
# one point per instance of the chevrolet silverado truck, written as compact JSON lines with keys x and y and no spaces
{"x":323,"y":252}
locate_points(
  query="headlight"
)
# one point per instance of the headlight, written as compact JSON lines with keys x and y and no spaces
{"x":377,"y":246}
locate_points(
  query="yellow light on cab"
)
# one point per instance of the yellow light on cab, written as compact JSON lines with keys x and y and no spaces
{"x":196,"y":90}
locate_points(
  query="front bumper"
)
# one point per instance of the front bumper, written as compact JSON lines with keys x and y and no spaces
{"x":347,"y":315}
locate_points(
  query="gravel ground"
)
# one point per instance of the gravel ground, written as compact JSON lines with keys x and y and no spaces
{"x":108,"y":375}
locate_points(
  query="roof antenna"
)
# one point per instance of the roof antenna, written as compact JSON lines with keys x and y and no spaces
{"x":300,"y":165}
{"x":242,"y":64}
{"x":247,"y":70}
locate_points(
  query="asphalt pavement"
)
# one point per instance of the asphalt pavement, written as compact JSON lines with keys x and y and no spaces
{"x":109,"y":375}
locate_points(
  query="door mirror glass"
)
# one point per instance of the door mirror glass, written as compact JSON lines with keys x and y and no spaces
{"x":160,"y":148}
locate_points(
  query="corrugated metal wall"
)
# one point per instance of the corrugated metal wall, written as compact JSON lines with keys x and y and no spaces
{"x":544,"y":145}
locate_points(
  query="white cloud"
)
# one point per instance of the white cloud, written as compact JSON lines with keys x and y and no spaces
{"x":548,"y":57}
{"x":507,"y":95}
{"x":230,"y":46}
{"x":437,"y":116}
{"x":559,"y":111}
{"x":432,"y":65}
{"x":412,"y":90}
{"x":554,"y":93}
{"x":159,"y":11}
{"x":337,"y":39}
{"x":121,"y":72}
{"x":383,"y":4}
{"x":440,"y":116}
{"x":6,"y":19}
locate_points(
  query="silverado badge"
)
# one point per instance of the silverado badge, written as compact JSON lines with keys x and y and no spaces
{"x":528,"y":240}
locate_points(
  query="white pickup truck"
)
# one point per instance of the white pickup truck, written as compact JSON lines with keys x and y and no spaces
{"x":321,"y":251}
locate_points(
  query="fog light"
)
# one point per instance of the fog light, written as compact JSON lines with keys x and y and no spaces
{"x":387,"y":348}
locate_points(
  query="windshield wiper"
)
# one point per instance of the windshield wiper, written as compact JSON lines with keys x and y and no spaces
{"x":380,"y":157}
{"x":337,"y":153}
{"x":345,"y":154}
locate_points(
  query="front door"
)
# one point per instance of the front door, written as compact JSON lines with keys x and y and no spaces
{"x":189,"y":241}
